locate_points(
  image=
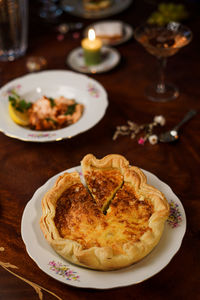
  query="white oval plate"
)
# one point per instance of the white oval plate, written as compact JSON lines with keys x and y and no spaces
{"x":55,"y":266}
{"x":110,"y":59}
{"x":80,"y":87}
{"x":127,"y":33}
{"x":75,"y":7}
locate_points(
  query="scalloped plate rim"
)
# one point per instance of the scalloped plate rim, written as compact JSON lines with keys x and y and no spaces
{"x":9,"y":128}
{"x":110,"y":274}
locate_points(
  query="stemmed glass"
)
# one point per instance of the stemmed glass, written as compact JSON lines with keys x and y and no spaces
{"x":162,"y":42}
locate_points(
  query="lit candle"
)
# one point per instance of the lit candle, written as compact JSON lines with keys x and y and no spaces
{"x":92,"y":48}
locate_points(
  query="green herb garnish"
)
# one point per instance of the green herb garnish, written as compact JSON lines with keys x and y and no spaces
{"x":52,"y":101}
{"x":71,"y":109}
{"x":51,"y":120}
{"x":18,"y":103}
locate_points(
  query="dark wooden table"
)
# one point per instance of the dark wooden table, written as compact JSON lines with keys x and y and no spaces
{"x":25,"y":166}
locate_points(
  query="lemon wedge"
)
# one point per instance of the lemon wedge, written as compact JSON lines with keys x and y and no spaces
{"x":17,"y":116}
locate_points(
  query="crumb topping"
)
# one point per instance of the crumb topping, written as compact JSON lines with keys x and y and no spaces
{"x":80,"y":218}
{"x":103,"y":185}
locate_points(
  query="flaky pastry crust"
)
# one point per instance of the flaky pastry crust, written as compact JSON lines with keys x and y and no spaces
{"x":134,"y":222}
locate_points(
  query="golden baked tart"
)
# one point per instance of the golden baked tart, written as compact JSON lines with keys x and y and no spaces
{"x":111,"y":222}
{"x":103,"y":177}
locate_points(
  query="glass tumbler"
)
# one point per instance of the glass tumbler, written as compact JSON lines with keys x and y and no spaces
{"x":13,"y":29}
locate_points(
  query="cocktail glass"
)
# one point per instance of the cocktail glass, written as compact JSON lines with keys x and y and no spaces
{"x":162,"y":42}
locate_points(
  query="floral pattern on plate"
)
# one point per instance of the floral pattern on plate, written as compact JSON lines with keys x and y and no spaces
{"x":63,"y":270}
{"x":12,"y":88}
{"x":39,"y":135}
{"x":175,"y":217}
{"x":93,"y":90}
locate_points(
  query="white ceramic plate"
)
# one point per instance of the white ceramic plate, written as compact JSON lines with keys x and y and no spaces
{"x":75,"y":7}
{"x":55,"y":266}
{"x":127,"y":33}
{"x":83,"y":89}
{"x":110,"y":59}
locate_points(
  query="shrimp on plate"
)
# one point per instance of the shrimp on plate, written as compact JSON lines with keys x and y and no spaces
{"x":48,"y":113}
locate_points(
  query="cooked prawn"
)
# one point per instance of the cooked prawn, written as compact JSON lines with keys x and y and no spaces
{"x":47,"y":113}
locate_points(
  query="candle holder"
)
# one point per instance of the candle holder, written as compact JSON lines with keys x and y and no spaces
{"x":91,"y":49}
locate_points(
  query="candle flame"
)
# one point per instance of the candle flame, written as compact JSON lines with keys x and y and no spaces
{"x":91,"y":34}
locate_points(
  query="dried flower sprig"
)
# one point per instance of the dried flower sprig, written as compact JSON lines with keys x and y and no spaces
{"x":132,"y":129}
{"x":149,"y":128}
{"x":153,"y":139}
{"x":160,"y":120}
